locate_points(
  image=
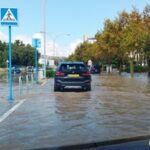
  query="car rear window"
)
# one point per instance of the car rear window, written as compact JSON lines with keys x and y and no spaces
{"x":72,"y":67}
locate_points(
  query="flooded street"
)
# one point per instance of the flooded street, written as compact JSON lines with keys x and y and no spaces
{"x":117,"y":107}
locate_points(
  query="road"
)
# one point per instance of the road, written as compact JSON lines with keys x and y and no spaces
{"x":117,"y":107}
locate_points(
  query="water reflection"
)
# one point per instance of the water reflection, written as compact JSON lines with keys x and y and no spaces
{"x":115,"y":104}
{"x":122,"y":103}
{"x":72,"y":105}
{"x":117,"y":107}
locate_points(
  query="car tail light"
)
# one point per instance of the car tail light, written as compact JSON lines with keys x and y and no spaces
{"x":58,"y":73}
{"x":86,"y":74}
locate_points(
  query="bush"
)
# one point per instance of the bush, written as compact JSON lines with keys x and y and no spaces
{"x":50,"y":72}
{"x":140,"y":68}
{"x":137,"y":69}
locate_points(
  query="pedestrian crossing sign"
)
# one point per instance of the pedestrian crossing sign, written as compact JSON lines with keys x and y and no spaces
{"x":9,"y":16}
{"x":36,"y":43}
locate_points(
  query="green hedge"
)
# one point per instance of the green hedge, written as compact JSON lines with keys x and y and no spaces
{"x":50,"y":72}
{"x":137,"y":68}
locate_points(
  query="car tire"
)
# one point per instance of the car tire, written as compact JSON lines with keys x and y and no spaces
{"x":62,"y":88}
{"x":89,"y":88}
{"x":86,"y":88}
{"x":56,"y":88}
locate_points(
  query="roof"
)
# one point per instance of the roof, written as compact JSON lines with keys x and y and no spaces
{"x":72,"y":62}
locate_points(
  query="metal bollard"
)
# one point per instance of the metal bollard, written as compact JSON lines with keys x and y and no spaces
{"x":20,"y":85}
{"x":32,"y":79}
{"x":27,"y":82}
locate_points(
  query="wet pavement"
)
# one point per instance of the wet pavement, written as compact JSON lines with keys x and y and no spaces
{"x":117,"y":107}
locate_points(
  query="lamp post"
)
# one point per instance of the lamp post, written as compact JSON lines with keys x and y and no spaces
{"x":44,"y":56}
{"x":44,"y":35}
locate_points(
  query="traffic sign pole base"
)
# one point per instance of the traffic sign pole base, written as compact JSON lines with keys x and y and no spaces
{"x":10,"y":98}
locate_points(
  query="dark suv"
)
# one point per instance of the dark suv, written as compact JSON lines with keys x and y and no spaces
{"x":72,"y":74}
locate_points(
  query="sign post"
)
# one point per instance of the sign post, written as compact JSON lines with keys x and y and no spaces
{"x":9,"y":17}
{"x":10,"y":97}
{"x":36,"y":43}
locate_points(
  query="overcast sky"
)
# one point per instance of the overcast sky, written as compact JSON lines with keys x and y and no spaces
{"x":63,"y":17}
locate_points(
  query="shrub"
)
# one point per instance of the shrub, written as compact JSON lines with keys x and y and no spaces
{"x":50,"y":72}
{"x":140,"y":68}
{"x":137,"y":68}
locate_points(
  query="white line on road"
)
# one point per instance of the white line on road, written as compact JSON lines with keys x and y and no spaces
{"x":5,"y":115}
{"x":44,"y":82}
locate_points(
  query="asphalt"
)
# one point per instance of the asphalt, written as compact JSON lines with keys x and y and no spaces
{"x":116,"y":108}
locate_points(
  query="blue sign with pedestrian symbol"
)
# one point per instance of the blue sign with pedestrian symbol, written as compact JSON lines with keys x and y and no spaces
{"x":36,"y":43}
{"x":9,"y":16}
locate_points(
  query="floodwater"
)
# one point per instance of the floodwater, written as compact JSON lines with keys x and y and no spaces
{"x":117,"y":107}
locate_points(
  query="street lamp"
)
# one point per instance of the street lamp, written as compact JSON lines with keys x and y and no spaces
{"x":44,"y":48}
{"x":44,"y":35}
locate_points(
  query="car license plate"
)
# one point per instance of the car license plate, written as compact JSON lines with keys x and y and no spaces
{"x":73,"y":75}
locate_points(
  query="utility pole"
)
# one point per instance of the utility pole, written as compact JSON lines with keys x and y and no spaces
{"x":44,"y":35}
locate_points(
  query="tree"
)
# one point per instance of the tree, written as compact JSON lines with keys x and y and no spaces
{"x":128,"y":34}
{"x":109,"y":41}
{"x":22,"y":55}
{"x":121,"y":23}
{"x":3,"y":54}
{"x":84,"y":52}
{"x":146,"y":20}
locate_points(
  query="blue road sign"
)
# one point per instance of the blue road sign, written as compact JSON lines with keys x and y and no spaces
{"x":36,"y":43}
{"x":9,"y":16}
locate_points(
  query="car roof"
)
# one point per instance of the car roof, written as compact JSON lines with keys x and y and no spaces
{"x":72,"y":62}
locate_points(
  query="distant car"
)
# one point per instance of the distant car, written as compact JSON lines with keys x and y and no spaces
{"x":74,"y":74}
{"x":30,"y":69}
{"x":96,"y":69}
{"x":16,"y":70}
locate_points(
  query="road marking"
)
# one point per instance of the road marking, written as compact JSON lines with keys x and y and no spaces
{"x":44,"y":82}
{"x":10,"y":111}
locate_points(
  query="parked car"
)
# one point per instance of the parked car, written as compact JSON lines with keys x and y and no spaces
{"x":74,"y":74}
{"x":96,"y":69}
{"x":30,"y":69}
{"x":16,"y":70}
